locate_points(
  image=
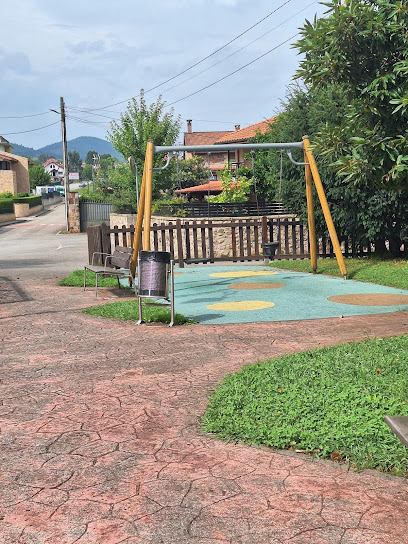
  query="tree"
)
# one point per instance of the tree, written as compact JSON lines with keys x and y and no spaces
{"x":139,"y":124}
{"x":38,"y":176}
{"x":74,"y":161}
{"x":189,"y":173}
{"x":362,"y":45}
{"x":43,"y":157}
{"x":89,"y":157}
{"x":87,"y":172}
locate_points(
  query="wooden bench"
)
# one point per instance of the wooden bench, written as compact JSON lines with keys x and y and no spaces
{"x":399,"y":425}
{"x":115,"y":264}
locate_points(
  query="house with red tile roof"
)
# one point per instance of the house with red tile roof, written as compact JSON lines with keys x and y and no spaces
{"x":14,"y":175}
{"x":216,"y":161}
{"x":55,"y":169}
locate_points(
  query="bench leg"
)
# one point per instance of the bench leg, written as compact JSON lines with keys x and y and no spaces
{"x":84,"y":278}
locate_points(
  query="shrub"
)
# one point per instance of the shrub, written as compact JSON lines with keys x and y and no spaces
{"x":6,"y":205}
{"x":34,"y":200}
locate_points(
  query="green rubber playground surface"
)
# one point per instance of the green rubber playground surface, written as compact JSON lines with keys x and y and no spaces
{"x":256,"y":293}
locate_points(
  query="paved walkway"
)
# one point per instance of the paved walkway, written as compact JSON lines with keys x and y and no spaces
{"x":100,"y":437}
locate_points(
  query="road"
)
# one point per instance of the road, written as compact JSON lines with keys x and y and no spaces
{"x":35,"y":249}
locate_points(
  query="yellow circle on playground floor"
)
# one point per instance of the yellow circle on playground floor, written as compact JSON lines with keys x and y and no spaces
{"x":241,"y":305}
{"x":243,"y":274}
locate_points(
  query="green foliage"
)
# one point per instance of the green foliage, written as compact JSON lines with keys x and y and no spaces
{"x":38,"y":176}
{"x":391,"y":272}
{"x":129,"y":311}
{"x":6,"y":194}
{"x":166,"y":204}
{"x":74,"y":162}
{"x":21,"y":195}
{"x":87,"y":172}
{"x":235,"y":188}
{"x":76,"y":279}
{"x":360,"y":209}
{"x":139,"y":124}
{"x":89,"y":157}
{"x":43,"y":157}
{"x":34,"y":200}
{"x":6,"y":205}
{"x":363,"y":46}
{"x":189,"y":173}
{"x":321,"y":401}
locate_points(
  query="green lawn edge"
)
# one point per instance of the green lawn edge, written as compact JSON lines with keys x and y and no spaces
{"x":328,"y":402}
{"x":388,"y":272}
{"x":129,"y":311}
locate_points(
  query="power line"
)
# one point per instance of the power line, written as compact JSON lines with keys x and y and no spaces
{"x":32,"y":130}
{"x":234,"y":72}
{"x":238,"y":50}
{"x":200,"y":61}
{"x":23,"y":116}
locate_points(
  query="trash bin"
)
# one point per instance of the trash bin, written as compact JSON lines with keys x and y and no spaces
{"x":153,"y":275}
{"x":269,"y":249}
{"x":155,"y":268}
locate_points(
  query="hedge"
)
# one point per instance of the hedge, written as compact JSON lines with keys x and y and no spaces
{"x":31,"y":200}
{"x":7,"y":205}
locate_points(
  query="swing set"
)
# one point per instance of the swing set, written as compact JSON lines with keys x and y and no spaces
{"x":311,"y":175}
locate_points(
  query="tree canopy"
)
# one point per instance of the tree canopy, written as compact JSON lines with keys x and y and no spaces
{"x":139,"y":124}
{"x":38,"y":176}
{"x":363,"y":46}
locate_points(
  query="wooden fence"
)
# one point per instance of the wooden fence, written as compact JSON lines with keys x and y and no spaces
{"x":210,"y":241}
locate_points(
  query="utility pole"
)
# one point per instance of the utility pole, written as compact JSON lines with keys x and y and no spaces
{"x":65,"y":160}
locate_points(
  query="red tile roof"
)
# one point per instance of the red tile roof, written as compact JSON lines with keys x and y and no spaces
{"x":245,"y":133}
{"x":7,"y":158}
{"x":51,"y":161}
{"x":211,"y":186}
{"x":203,"y":138}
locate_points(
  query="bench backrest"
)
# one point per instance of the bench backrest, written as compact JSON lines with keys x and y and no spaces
{"x":121,"y":257}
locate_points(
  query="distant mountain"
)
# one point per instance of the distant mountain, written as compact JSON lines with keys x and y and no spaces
{"x":83,"y":144}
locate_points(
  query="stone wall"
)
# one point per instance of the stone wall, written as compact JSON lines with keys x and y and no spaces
{"x":22,"y":209}
{"x":8,"y":181}
{"x":73,"y":213}
{"x":7,"y":217}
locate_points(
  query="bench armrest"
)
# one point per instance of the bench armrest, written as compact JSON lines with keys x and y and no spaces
{"x":98,"y":253}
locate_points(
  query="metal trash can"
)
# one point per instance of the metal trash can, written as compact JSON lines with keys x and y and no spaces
{"x":153,"y":274}
{"x":154,"y":270}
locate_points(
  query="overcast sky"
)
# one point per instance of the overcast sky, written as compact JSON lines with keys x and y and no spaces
{"x":98,"y":53}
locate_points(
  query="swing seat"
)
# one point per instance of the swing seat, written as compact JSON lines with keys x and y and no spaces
{"x":197,"y":261}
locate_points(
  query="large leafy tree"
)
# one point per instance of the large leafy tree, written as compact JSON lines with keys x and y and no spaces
{"x":362,"y":45}
{"x":38,"y":176}
{"x":74,"y":161}
{"x":139,"y":124}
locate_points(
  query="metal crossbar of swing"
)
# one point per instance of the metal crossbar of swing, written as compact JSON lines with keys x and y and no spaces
{"x":170,"y":149}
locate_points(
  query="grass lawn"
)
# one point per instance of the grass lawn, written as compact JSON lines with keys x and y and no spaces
{"x":76,"y":279}
{"x":128,"y":310}
{"x":391,"y":272}
{"x":330,"y":402}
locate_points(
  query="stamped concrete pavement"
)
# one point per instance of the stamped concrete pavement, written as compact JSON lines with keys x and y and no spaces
{"x":101,"y":443}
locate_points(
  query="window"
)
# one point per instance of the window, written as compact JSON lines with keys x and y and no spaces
{"x":5,"y":165}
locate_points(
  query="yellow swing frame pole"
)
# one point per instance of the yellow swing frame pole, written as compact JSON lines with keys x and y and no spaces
{"x":139,"y":221}
{"x":325,"y":207}
{"x":148,"y":194}
{"x":311,"y":217}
